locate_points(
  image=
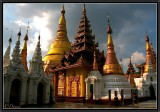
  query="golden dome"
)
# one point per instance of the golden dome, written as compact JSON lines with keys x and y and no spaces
{"x":60,"y":43}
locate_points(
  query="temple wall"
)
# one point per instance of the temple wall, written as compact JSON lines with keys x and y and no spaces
{"x":80,"y":73}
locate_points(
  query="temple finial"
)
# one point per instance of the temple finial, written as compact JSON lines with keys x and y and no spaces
{"x":39,"y":37}
{"x":28,"y":27}
{"x":108,"y":17}
{"x":109,"y":30}
{"x":130,"y":59}
{"x":10,"y":39}
{"x":19,"y":33}
{"x":95,"y":66}
{"x":84,"y":9}
{"x":63,"y":10}
{"x":26,"y":37}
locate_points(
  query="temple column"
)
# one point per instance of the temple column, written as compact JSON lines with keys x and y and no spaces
{"x":55,"y":82}
{"x":7,"y":90}
{"x":23,"y":91}
{"x":64,"y":90}
{"x":87,"y":89}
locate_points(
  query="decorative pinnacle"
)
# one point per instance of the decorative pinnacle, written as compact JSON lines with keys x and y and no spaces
{"x":109,"y":30}
{"x":10,"y":39}
{"x":108,"y":17}
{"x":39,"y":37}
{"x":130,"y":59}
{"x":19,"y":34}
{"x":84,"y":9}
{"x":26,"y":37}
{"x":95,"y":66}
{"x":147,"y":39}
{"x":28,"y":27}
{"x":63,"y":11}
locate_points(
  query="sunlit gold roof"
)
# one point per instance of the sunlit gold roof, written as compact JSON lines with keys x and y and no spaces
{"x":111,"y":65}
{"x":60,"y":44}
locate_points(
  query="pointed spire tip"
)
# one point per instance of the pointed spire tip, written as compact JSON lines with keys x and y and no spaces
{"x":39,"y":37}
{"x":63,"y":10}
{"x":84,"y":9}
{"x":19,"y":34}
{"x":10,"y":40}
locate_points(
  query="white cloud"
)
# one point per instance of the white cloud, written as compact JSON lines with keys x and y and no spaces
{"x":21,"y":4}
{"x":136,"y":58}
{"x":20,"y":23}
{"x":40,"y":25}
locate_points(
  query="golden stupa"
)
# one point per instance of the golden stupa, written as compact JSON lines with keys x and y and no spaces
{"x":59,"y":45}
{"x":149,"y":56}
{"x":111,"y":65}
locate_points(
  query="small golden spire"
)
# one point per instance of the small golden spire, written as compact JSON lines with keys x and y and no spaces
{"x":95,"y":66}
{"x":149,"y":56}
{"x":63,"y":11}
{"x":109,"y":31}
{"x":62,"y":19}
{"x":111,"y":65}
{"x":24,"y":50}
{"x":147,"y":43}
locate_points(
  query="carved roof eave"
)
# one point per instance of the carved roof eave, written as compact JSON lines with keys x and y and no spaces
{"x":82,"y":35}
{"x":70,"y":66}
{"x":133,"y":75}
{"x":139,"y":65}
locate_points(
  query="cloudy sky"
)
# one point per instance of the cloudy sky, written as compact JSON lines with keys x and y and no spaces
{"x":129,"y":23}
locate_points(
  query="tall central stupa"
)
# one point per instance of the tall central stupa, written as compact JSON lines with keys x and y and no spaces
{"x":113,"y":75}
{"x":60,"y":45}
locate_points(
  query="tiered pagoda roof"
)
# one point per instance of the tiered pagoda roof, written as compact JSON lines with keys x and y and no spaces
{"x":83,"y":47}
{"x":131,"y":69}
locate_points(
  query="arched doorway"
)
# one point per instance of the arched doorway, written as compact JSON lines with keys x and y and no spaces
{"x":91,"y":91}
{"x":152,"y":92}
{"x":15,"y":92}
{"x":40,"y":93}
